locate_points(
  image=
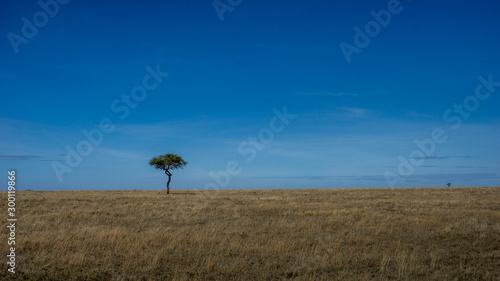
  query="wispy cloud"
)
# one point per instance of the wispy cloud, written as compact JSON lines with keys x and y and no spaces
{"x":329,"y":94}
{"x":442,"y":157}
{"x":201,"y":127}
{"x":416,"y":114}
{"x":343,"y":113}
{"x":122,"y":153}
{"x":18,"y":157}
{"x":415,"y":177}
{"x":354,"y":112}
{"x":301,"y":177}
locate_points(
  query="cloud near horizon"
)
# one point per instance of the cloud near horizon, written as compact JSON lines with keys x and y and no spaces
{"x":18,"y":157}
{"x":443,"y":157}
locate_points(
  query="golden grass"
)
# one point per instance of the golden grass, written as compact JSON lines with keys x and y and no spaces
{"x":313,"y":234}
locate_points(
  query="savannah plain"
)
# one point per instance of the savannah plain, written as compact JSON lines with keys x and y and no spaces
{"x":309,"y":234}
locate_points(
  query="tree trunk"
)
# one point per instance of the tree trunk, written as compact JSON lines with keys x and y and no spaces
{"x":169,"y":174}
{"x":168,"y":182}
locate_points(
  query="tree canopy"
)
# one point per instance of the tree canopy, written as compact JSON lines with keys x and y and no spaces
{"x":167,"y":162}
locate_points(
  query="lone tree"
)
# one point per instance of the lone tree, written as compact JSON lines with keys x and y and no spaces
{"x":167,"y":163}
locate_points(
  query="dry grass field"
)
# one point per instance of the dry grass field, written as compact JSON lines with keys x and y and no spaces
{"x":311,"y":234}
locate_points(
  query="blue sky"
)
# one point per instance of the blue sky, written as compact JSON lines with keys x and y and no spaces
{"x":355,"y":120}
